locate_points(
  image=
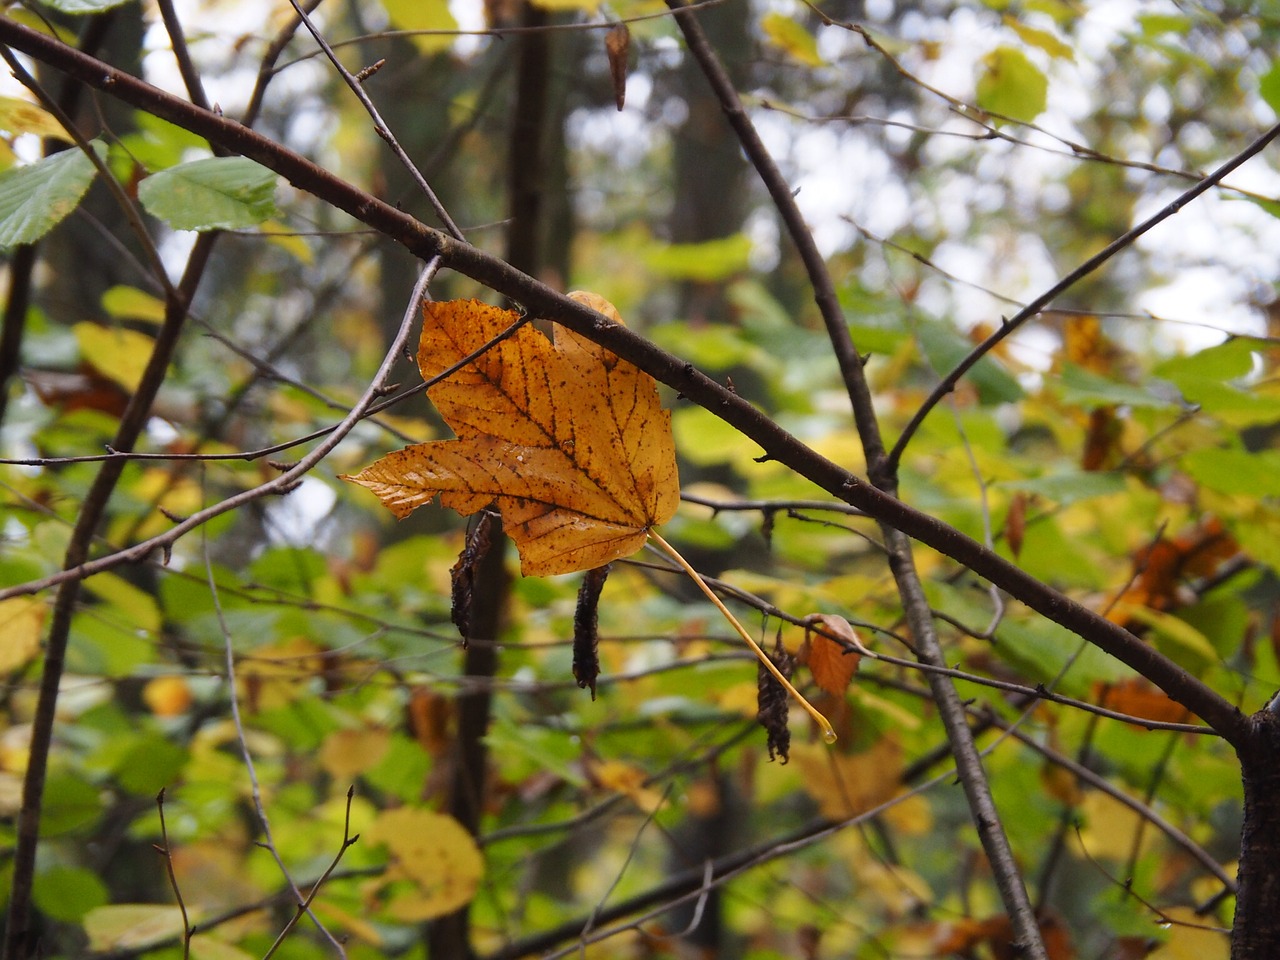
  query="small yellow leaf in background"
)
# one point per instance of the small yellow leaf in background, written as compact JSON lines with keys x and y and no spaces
{"x":831,"y":667}
{"x":1191,"y":942}
{"x":792,"y":39}
{"x":277,"y":674}
{"x":23,"y":116}
{"x":119,"y":355}
{"x":435,"y":854}
{"x":127,"y":926}
{"x":570,"y":441}
{"x":345,"y":754}
{"x":167,"y":696}
{"x":130,"y":303}
{"x":845,"y":785}
{"x":21,"y":619}
{"x":423,"y":15}
{"x":627,"y":780}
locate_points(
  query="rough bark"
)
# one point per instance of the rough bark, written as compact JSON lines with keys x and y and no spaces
{"x":1255,"y":934}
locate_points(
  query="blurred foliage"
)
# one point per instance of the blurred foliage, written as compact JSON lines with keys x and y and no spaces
{"x":953,"y":159}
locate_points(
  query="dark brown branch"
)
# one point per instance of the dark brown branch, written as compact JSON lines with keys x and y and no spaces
{"x":754,"y":424}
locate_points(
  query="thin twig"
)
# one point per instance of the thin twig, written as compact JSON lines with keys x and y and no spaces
{"x":164,"y":849}
{"x":246,"y":754}
{"x":304,"y":907}
{"x":379,"y":125}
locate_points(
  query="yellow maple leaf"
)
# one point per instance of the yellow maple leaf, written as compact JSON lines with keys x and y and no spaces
{"x":569,"y":441}
{"x":434,"y":854}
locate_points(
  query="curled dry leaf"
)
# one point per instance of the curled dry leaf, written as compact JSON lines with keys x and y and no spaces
{"x":773,"y":704}
{"x":586,"y":659}
{"x":617,"y":44}
{"x":569,"y":441}
{"x":831,"y":666}
{"x":462,"y":574}
{"x":1015,"y":523}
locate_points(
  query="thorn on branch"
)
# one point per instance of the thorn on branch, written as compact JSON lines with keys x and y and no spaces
{"x":386,"y":389}
{"x":171,"y":516}
{"x":284,"y":466}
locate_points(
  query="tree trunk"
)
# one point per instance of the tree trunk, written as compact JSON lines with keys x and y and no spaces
{"x":1255,"y":935}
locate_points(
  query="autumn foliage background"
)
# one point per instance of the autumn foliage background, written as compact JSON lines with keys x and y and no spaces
{"x":289,"y":672}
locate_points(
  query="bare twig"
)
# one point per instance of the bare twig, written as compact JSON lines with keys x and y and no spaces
{"x":165,"y":851}
{"x":379,"y":125}
{"x":302,"y":902}
{"x":304,"y":906}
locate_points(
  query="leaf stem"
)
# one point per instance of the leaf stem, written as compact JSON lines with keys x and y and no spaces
{"x":828,"y":732}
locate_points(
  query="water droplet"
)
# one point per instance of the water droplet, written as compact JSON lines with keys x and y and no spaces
{"x":829,"y":735}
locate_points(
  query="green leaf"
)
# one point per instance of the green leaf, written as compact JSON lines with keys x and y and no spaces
{"x":1065,"y":488}
{"x":708,"y":261}
{"x":1084,"y":388}
{"x":149,"y":765}
{"x":1269,"y":87}
{"x":1176,"y":639}
{"x":84,"y":7}
{"x":1236,"y":472}
{"x":1011,"y":85}
{"x":36,"y":198}
{"x":945,"y":347}
{"x":791,"y":38}
{"x":218,"y":193}
{"x":68,"y":893}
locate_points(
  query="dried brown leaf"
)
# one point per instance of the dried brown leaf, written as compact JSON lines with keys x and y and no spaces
{"x":831,"y":666}
{"x":571,"y":442}
{"x":617,"y":44}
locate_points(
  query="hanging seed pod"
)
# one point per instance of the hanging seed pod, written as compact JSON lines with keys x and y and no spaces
{"x":463,"y":574}
{"x":772,"y":703}
{"x":586,"y":657}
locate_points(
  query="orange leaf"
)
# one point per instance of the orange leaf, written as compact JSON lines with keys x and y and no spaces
{"x":1138,"y":698}
{"x":570,"y":442}
{"x":831,"y":667}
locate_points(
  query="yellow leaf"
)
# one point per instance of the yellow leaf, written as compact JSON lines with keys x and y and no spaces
{"x":345,"y":754}
{"x":627,"y":780}
{"x":119,"y":355}
{"x":435,"y":854}
{"x":130,"y":303}
{"x":21,"y":619}
{"x":792,"y":38}
{"x":23,"y":116}
{"x":126,"y":926}
{"x":275,"y":675}
{"x":1191,"y":942}
{"x":570,"y":442}
{"x":431,"y":15}
{"x":848,"y":784}
{"x":167,"y":696}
